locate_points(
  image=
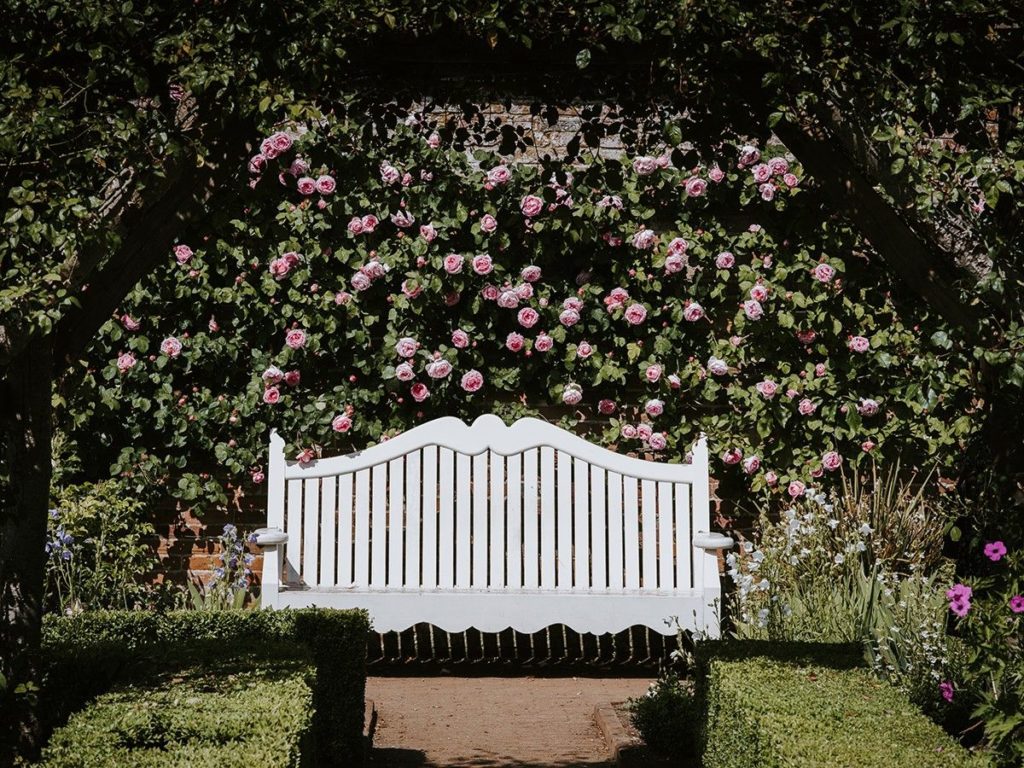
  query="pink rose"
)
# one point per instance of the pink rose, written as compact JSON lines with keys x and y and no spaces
{"x":292,"y":378}
{"x":524,"y":291}
{"x":438,"y":368}
{"x":761,"y":173}
{"x":305,"y":456}
{"x":280,"y":141}
{"x":490,"y":292}
{"x":569,"y":317}
{"x":325,"y":185}
{"x":528,"y":317}
{"x":572,"y":394}
{"x":717,"y":367}
{"x":530,"y":274}
{"x":696,"y":187}
{"x":674,"y":381}
{"x":716,"y":174}
{"x":499,"y":175}
{"x":360,"y":282}
{"x":411,"y":288}
{"x":257,"y":163}
{"x":404,"y":372}
{"x":616,"y":299}
{"x":654,"y":407}
{"x":434,"y":140}
{"x":419,"y":392}
{"x":806,"y":337}
{"x":771,"y":478}
{"x":867,"y":407}
{"x":751,"y":464}
{"x":126,"y":362}
{"x":644,"y":239}
{"x":370,"y":222}
{"x":584,"y":350}
{"x":807,"y":407}
{"x":452,"y":298}
{"x":406,"y":347}
{"x":653,"y":373}
{"x":355,"y":225}
{"x":170,"y":347}
{"x":867,"y":446}
{"x":778,"y":165}
{"x":635,"y":314}
{"x":859,"y":344}
{"x":644,"y":431}
{"x":531,"y":205}
{"x":693,"y":312}
{"x":767,"y":388}
{"x":460,"y":339}
{"x":823,"y":273}
{"x":295,"y":338}
{"x":299,"y":167}
{"x":819,"y":370}
{"x":628,"y":431}
{"x":796,"y":489}
{"x":402,"y":219}
{"x":182,"y":253}
{"x":279,"y":268}
{"x":129,"y":323}
{"x":759,"y":293}
{"x":748,"y":156}
{"x":753,"y":309}
{"x":831,"y":460}
{"x":508,"y":299}
{"x":732,"y":456}
{"x":488,"y":223}
{"x":543,"y":343}
{"x":725,"y":260}
{"x":482,"y":264}
{"x":271,"y":395}
{"x":657,"y":441}
{"x":573,"y":303}
{"x":306,"y":185}
{"x":644,"y":165}
{"x":388,"y":173}
{"x":272,"y":375}
{"x":767,"y":192}
{"x":258,"y":477}
{"x":341,"y":423}
{"x":606,"y":407}
{"x":472,"y":381}
{"x":428,"y":232}
{"x":514,"y":342}
{"x":674,"y":264}
{"x":790,"y":180}
{"x":453,"y":263}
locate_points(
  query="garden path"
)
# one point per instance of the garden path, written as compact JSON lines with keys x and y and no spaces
{"x":493,"y":722}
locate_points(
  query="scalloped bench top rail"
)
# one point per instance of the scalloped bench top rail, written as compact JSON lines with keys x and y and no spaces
{"x":493,"y":526}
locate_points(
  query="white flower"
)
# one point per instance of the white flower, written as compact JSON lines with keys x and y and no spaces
{"x":860,"y":546}
{"x":748,"y":546}
{"x":833,"y":523}
{"x":839,"y":559}
{"x":865,"y":530}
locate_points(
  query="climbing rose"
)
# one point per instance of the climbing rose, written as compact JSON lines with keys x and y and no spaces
{"x":644,"y":239}
{"x":514,"y":342}
{"x":674,"y":381}
{"x":751,"y":464}
{"x":693,"y":312}
{"x":126,"y":362}
{"x":995,"y":550}
{"x":453,"y":263}
{"x":258,"y":476}
{"x":778,"y":165}
{"x":759,"y":293}
{"x":653,"y":373}
{"x":569,"y":317}
{"x":717,"y":367}
{"x":761,"y":173}
{"x":807,"y":407}
{"x":748,"y":155}
{"x":543,"y":343}
{"x":272,"y":375}
{"x":271,"y":395}
{"x":572,"y":394}
{"x":528,"y":317}
{"x":306,"y":185}
{"x":355,"y":225}
{"x":325,"y":185}
{"x":460,"y":339}
{"x":170,"y":346}
{"x":182,"y":253}
{"x":819,"y":370}
{"x":530,"y":274}
{"x":644,"y":165}
{"x":279,"y":268}
{"x":674,"y":263}
{"x":635,"y":314}
{"x":823,"y":273}
{"x":341,"y":423}
{"x":573,"y":303}
{"x":305,"y":456}
{"x":584,"y":350}
{"x":419,"y":392}
{"x":831,"y":460}
{"x":859,"y":344}
{"x":616,"y":299}
{"x":498,"y":175}
{"x":129,"y":323}
{"x":428,"y":232}
{"x":732,"y":456}
{"x":806,"y":337}
{"x":360,"y":282}
{"x":716,"y":174}
{"x":867,"y":407}
{"x":644,"y":431}
{"x":796,"y":489}
{"x":868,"y":446}
{"x":725,"y":260}
{"x":767,"y":388}
{"x":402,"y":219}
{"x":406,"y":347}
{"x":678,"y":246}
{"x":508,"y":299}
{"x":292,"y":378}
{"x":434,"y":140}
{"x":370,"y":222}
{"x":388,"y":173}
{"x":606,"y":407}
{"x":654,"y":407}
{"x":753,"y":309}
{"x":257,"y":163}
{"x":404,"y":372}
{"x":472,"y":381}
{"x":295,"y":338}
{"x":767,"y":192}
{"x":488,"y":223}
{"x":411,"y":289}
{"x":439,"y":368}
{"x":531,"y":205}
{"x":657,"y":441}
{"x":628,"y":431}
{"x":482,"y":264}
{"x":696,"y":187}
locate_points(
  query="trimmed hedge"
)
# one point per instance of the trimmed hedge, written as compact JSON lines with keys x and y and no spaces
{"x":86,"y":653}
{"x":764,"y":712}
{"x":227,"y":715}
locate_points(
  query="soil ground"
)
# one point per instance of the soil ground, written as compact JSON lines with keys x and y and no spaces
{"x":494,"y":722}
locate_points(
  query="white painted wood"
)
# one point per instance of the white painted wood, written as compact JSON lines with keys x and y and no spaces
{"x":493,"y":527}
{"x":328,"y":533}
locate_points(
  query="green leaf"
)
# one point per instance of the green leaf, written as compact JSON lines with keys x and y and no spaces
{"x":583,"y":58}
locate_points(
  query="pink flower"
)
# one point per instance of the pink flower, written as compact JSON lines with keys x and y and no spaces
{"x":628,"y":431}
{"x":488,"y":223}
{"x":725,"y":260}
{"x":778,"y":165}
{"x":508,"y":299}
{"x":644,"y":431}
{"x":428,"y":232}
{"x":306,"y":185}
{"x":499,"y":175}
{"x":530,"y":274}
{"x":434,"y":140}
{"x":460,"y":339}
{"x":305,"y":456}
{"x":767,"y":192}
{"x":995,"y":550}
{"x":572,"y":394}
{"x":389,"y":174}
{"x":419,"y":392}
{"x":490,"y":292}
{"x":657,"y":441}
{"x":295,"y":338}
{"x":528,"y":317}
{"x":771,"y":478}
{"x":280,"y":141}
{"x":299,"y":167}
{"x":653,"y":373}
{"x":946,"y":690}
{"x":823,"y":273}
{"x":959,"y":599}
{"x":360,"y":282}
{"x":325,"y":185}
{"x":831,"y":461}
{"x":790,"y":180}
{"x":404,"y":372}
{"x":674,"y":264}
{"x":868,"y":446}
{"x":531,"y":205}
{"x":696,"y":187}
{"x":716,"y":174}
{"x":693,"y":312}
{"x":644,"y":239}
{"x":761,"y":173}
{"x":524,"y":291}
{"x":182,"y":253}
{"x":751,"y":464}
{"x":482,"y":264}
{"x":867,"y":407}
{"x":748,"y":156}
{"x":569,"y":317}
{"x":257,"y":163}
{"x":678,"y":246}
{"x":453,"y":263}
{"x":257,"y":476}
{"x":129,"y":323}
{"x":616,"y":299}
{"x":355,"y":225}
{"x":438,"y":368}
{"x":341,"y":423}
{"x":752,"y":309}
{"x":732,"y":456}
{"x":717,"y":367}
{"x":806,"y":337}
{"x":584,"y":350}
{"x":514,"y":342}
{"x":402,"y":219}
{"x":271,"y":395}
{"x":807,"y":407}
{"x":1017,"y":603}
{"x":796,"y":489}
{"x":767,"y":388}
{"x":759,"y":293}
{"x":170,"y":347}
{"x":606,"y":407}
{"x":126,"y":362}
{"x":370,"y":222}
{"x":859,"y":344}
{"x":644,"y":165}
{"x":406,"y":179}
{"x":272,"y":375}
{"x":635,"y":314}
{"x":472,"y":381}
{"x":654,"y":407}
{"x":411,"y":288}
{"x":292,"y":378}
{"x":610,"y":201}
{"x":279,"y":268}
{"x":819,"y":370}
{"x":674,"y":381}
{"x":406,"y":347}
{"x":543,"y":342}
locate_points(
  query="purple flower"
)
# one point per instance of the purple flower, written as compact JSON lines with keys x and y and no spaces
{"x":946,"y":689}
{"x":995,"y":550}
{"x":1017,"y":603}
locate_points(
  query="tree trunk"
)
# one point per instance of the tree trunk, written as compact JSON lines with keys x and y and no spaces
{"x":25,"y":426}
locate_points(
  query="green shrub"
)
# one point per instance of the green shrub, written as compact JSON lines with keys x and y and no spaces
{"x":230,"y":715}
{"x":89,"y":651}
{"x":767,"y":713}
{"x":667,"y":717}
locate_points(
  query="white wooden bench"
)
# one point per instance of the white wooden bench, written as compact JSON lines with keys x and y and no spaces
{"x":491,"y":526}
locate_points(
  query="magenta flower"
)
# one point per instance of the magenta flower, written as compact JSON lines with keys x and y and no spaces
{"x":946,"y":689}
{"x":995,"y":550}
{"x":960,"y":599}
{"x":1017,"y":603}
{"x":472,"y":381}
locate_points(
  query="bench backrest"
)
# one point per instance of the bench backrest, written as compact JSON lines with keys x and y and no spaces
{"x":489,"y":508}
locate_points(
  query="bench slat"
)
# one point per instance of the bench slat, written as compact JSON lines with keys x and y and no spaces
{"x":515,"y":473}
{"x":379,"y":526}
{"x":497,"y":522}
{"x":362,"y":515}
{"x":632,"y":535}
{"x":666,"y":562}
{"x":598,"y":529}
{"x":328,"y":536}
{"x":294,"y":530}
{"x":684,"y":578}
{"x":311,"y":528}
{"x":481,"y":488}
{"x":345,"y":575}
{"x":413,"y":500}
{"x":463,"y":519}
{"x":396,"y":521}
{"x":563,"y":546}
{"x":649,"y":534}
{"x":446,"y":519}
{"x":548,"y":515}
